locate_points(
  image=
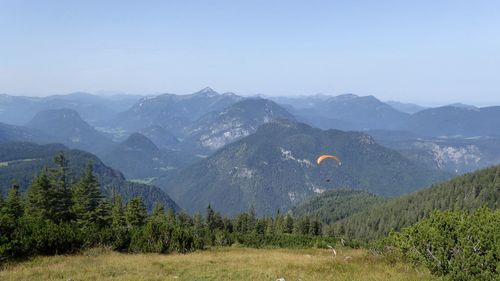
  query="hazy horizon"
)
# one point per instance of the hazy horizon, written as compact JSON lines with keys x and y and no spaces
{"x":109,"y":93}
{"x":428,"y":53}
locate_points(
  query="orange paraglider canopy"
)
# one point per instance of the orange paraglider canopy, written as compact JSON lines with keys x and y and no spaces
{"x":326,"y":156}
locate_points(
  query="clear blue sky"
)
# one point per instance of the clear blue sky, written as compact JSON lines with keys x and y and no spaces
{"x":419,"y":51}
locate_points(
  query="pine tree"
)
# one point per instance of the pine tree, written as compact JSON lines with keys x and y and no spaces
{"x":198,"y":221}
{"x":117,"y":212}
{"x":119,"y":225}
{"x":136,"y":213}
{"x":228,"y":225}
{"x":10,"y":212}
{"x":210,"y":218}
{"x":13,"y":203}
{"x":39,"y":197}
{"x":260,"y":227}
{"x":103,"y":214}
{"x":288,"y":224}
{"x":241,"y":223}
{"x":61,"y":193}
{"x":86,"y":197}
{"x":252,"y":218}
{"x":185,"y":220}
{"x":170,"y":216}
{"x":302,"y":226}
{"x":158,"y":210}
{"x":315,"y":228}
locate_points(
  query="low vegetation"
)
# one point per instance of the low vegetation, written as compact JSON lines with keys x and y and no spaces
{"x":454,"y":244}
{"x":221,"y":264}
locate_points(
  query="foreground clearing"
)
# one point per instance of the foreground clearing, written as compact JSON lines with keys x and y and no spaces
{"x":215,"y":264}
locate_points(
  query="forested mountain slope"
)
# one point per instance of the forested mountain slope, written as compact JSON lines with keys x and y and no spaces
{"x":336,"y":204}
{"x":468,"y":192}
{"x":275,"y":169}
{"x":22,"y":161}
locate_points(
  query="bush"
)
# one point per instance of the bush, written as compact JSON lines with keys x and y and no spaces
{"x":45,"y":237}
{"x":454,"y":244}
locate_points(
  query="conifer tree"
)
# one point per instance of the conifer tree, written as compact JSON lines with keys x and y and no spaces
{"x":136,"y":213}
{"x":315,"y":227}
{"x":86,"y":197}
{"x":252,"y":218}
{"x":10,"y":211}
{"x":185,"y":220}
{"x":158,"y":210}
{"x":288,"y":224}
{"x":228,"y":225}
{"x":198,"y":221}
{"x":119,"y":224}
{"x":103,"y":214}
{"x":210,"y":218}
{"x":117,"y":212}
{"x":13,"y":203}
{"x":302,"y":226}
{"x":39,"y":197}
{"x":170,"y":216}
{"x":61,"y":193}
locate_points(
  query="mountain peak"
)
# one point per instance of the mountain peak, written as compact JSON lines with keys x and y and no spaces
{"x":207,"y":91}
{"x":345,"y":97}
{"x":57,"y":114}
{"x":137,"y":141}
{"x":463,"y":106}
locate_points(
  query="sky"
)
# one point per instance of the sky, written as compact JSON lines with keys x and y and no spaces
{"x":428,"y":52}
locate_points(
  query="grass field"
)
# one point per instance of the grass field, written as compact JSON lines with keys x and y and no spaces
{"x":215,"y":264}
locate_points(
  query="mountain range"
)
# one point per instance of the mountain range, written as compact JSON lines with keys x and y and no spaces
{"x":218,"y":128}
{"x":18,"y":110}
{"x":235,"y":152}
{"x":172,"y":112}
{"x":274,"y":169}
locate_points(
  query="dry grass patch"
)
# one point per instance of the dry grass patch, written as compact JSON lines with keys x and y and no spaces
{"x":215,"y":264}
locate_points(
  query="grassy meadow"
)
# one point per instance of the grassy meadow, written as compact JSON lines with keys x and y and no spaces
{"x":216,"y":264}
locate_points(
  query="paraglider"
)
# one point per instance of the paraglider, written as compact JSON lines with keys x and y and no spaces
{"x":326,"y":156}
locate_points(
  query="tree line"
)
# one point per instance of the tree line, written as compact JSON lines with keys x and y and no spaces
{"x":468,"y":192}
{"x":59,"y":214}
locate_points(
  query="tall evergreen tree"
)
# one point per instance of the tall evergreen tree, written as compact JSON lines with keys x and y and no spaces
{"x":86,"y":197}
{"x":302,"y":226}
{"x":136,"y":213}
{"x":10,"y":212}
{"x":315,"y":227}
{"x":252,"y":218}
{"x":13,"y":203}
{"x":103,"y":214}
{"x":61,"y":194}
{"x":210,"y":218}
{"x":198,"y":221}
{"x":117,"y":212}
{"x":40,"y":197}
{"x":158,"y":210}
{"x":288,"y":224}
